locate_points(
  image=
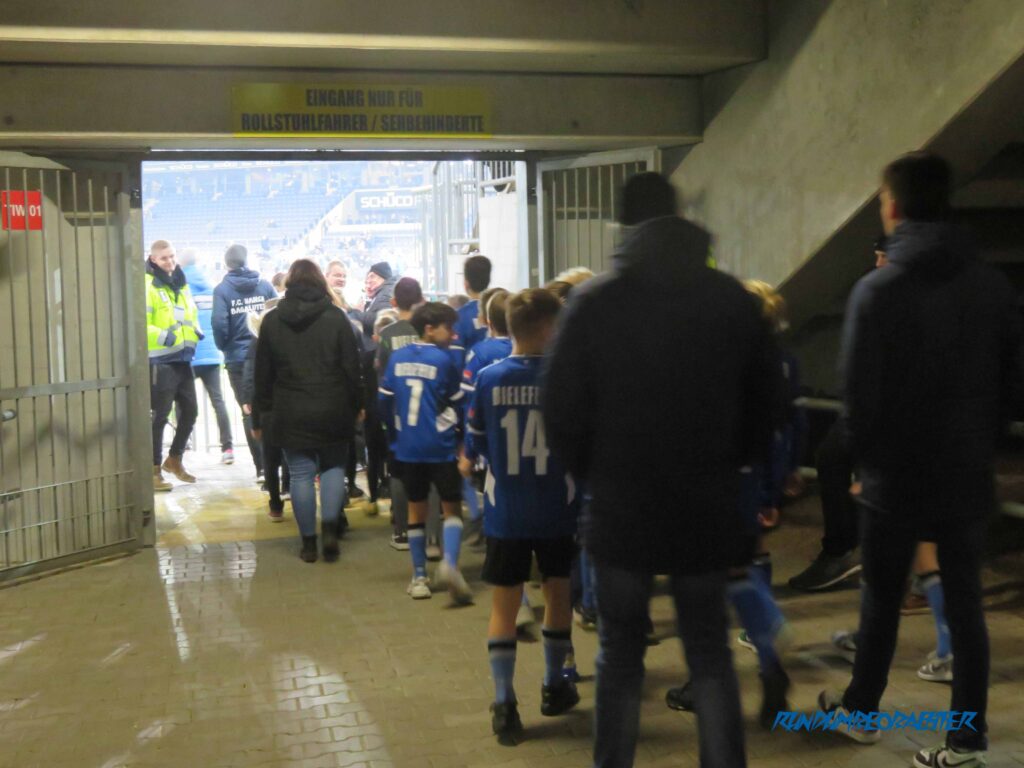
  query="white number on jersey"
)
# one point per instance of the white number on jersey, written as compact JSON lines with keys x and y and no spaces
{"x":534,"y":443}
{"x":414,"y":400}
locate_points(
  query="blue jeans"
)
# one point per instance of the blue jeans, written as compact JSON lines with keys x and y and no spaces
{"x":304,"y":465}
{"x":622,"y":609}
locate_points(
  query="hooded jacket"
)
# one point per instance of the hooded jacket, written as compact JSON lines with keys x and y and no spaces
{"x":657,"y":411}
{"x":308,"y":386}
{"x":240,"y":293}
{"x":202,"y":293}
{"x":931,"y":368}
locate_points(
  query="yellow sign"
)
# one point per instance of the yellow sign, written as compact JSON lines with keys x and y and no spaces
{"x":360,"y":111}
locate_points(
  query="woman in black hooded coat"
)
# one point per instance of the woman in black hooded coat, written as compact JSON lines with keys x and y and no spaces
{"x":309,"y":386}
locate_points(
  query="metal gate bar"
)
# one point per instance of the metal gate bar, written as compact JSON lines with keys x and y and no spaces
{"x":571,"y":228}
{"x":66,"y":470}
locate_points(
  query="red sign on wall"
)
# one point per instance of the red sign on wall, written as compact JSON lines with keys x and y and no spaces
{"x":17,"y":212}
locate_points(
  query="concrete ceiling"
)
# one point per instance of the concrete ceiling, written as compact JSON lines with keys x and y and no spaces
{"x":998,"y":185}
{"x":648,"y":37}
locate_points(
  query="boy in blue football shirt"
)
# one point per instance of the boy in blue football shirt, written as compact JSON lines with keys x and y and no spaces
{"x":469,"y":331}
{"x":496,"y":345}
{"x":421,"y":404}
{"x":530,"y":507}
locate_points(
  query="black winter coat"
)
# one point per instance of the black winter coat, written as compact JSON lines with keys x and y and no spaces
{"x":931,"y":366}
{"x":658,"y":409}
{"x":308,"y":380}
{"x":367,"y":317}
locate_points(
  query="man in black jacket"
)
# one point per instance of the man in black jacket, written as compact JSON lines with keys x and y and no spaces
{"x":658,"y":427}
{"x":931,"y":361}
{"x":380,"y":287}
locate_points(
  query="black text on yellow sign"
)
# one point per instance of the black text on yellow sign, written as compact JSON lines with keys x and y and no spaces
{"x":365,"y":111}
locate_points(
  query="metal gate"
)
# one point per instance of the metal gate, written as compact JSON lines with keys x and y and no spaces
{"x":70,"y":334}
{"x":576,"y":207}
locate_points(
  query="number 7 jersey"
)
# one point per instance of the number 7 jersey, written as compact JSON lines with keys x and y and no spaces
{"x":420,"y":399}
{"x":528,"y":493}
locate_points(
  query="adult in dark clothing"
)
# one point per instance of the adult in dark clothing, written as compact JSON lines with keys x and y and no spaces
{"x":276,"y":475}
{"x":708,"y":410}
{"x":308,"y":382}
{"x":931,"y":362}
{"x":357,"y":454}
{"x":838,"y":559}
{"x":380,"y":287}
{"x":242,"y":292}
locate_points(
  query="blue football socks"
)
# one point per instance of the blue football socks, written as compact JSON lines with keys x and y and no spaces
{"x":557,"y":645}
{"x":502,"y":651}
{"x":931,"y":585}
{"x":452,"y":540}
{"x":418,"y":548}
{"x":472,"y":501}
{"x":759,"y":615}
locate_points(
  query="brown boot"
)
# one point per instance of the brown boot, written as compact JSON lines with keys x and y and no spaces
{"x":173,"y":465}
{"x":159,"y":484}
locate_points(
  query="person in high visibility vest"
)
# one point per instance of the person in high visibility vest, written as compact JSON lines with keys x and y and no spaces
{"x":172,"y":333}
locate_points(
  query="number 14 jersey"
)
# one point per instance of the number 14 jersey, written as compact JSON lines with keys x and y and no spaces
{"x":527,"y":493}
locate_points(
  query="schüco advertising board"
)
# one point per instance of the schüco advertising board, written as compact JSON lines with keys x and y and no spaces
{"x":369,"y":200}
{"x":359,"y":111}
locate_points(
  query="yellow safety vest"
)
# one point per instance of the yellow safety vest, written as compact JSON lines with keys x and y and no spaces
{"x":166,"y":315}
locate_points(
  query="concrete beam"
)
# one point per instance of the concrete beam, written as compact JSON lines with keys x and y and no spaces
{"x":596,"y":36}
{"x":142,"y":108}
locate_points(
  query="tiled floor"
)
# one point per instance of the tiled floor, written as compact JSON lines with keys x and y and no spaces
{"x":221,"y":648}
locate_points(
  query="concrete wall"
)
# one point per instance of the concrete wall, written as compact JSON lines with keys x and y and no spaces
{"x":793,"y":145}
{"x":612,"y":36}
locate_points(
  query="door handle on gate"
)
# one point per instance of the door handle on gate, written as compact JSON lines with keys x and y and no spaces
{"x":8,"y":415}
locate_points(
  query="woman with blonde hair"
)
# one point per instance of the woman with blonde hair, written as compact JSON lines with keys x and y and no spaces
{"x":782,"y":476}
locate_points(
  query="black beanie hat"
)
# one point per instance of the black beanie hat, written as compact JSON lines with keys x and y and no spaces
{"x":383,"y":269}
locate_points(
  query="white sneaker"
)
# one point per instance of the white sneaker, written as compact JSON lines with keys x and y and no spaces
{"x":525,"y":617}
{"x":937,"y":669}
{"x":845,"y":643}
{"x":457,"y":586}
{"x":829,"y":702}
{"x":944,"y":757}
{"x":418,"y":588}
{"x":227,"y":457}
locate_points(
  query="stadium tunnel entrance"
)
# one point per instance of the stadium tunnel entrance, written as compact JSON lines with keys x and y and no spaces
{"x":77,"y":225}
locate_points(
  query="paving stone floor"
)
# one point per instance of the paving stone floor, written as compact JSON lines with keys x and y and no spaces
{"x":219,"y":647}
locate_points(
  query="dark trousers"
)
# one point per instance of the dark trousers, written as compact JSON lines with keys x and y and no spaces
{"x":835,"y":467}
{"x":210,"y":376}
{"x":622,"y":608}
{"x":356,"y":456}
{"x":276,"y":473}
{"x":236,"y":377}
{"x":376,"y":455}
{"x":172,"y":384}
{"x":887,"y":550}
